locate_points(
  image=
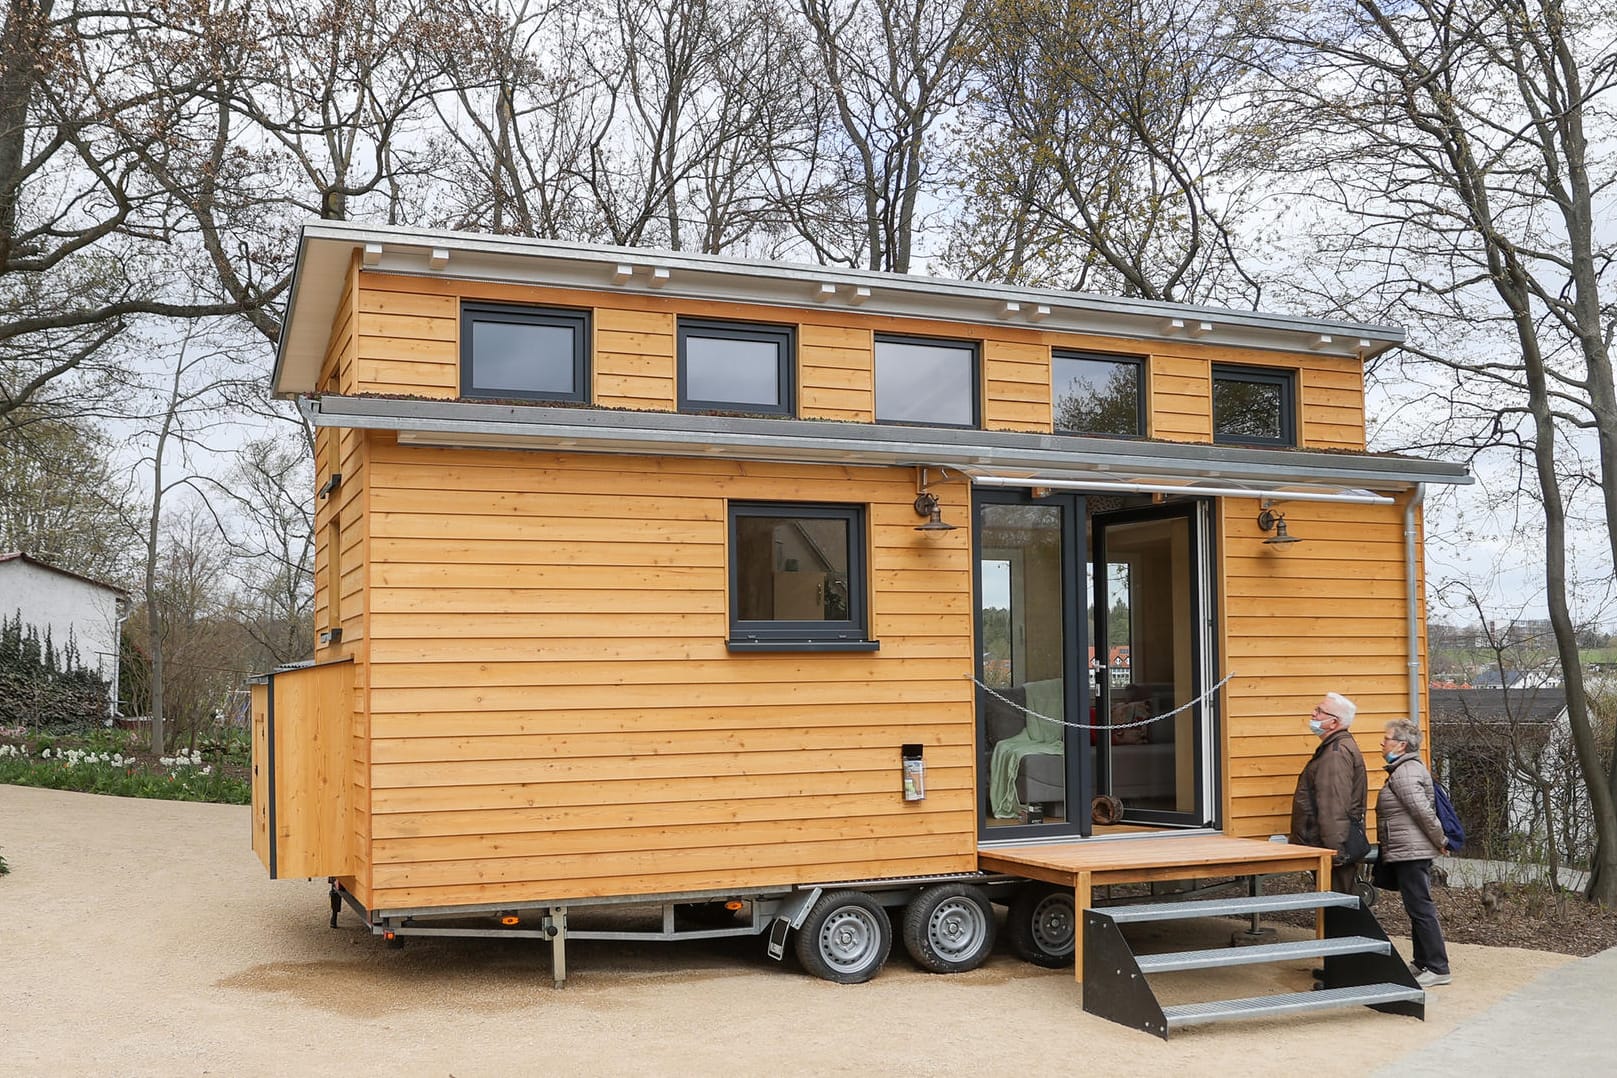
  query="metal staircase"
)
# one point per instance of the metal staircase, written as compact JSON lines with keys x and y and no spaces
{"x":1361,"y":968}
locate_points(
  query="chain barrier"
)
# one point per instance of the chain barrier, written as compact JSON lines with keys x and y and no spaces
{"x":1106,"y":726}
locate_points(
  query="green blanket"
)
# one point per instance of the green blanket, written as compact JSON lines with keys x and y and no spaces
{"x":1041,"y":738}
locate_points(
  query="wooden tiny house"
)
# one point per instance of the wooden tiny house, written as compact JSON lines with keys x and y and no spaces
{"x":637,"y":572}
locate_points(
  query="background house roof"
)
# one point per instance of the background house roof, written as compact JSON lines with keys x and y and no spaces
{"x":1496,"y":706}
{"x":19,"y":556}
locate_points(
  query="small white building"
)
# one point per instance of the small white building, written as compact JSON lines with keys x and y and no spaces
{"x":70,"y":606}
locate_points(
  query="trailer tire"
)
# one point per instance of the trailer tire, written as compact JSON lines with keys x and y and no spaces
{"x":845,"y":938}
{"x":950,"y":928}
{"x":1042,"y":924}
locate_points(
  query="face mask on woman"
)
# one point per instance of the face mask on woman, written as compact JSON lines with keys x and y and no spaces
{"x":1391,"y":756}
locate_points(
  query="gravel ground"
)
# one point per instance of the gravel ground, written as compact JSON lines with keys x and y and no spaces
{"x":143,"y":938}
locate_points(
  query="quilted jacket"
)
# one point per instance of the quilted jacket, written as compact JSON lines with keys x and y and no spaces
{"x":1406,"y":813}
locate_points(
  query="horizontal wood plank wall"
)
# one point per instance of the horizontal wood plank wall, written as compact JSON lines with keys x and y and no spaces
{"x":554,"y":713}
{"x":1330,"y":389}
{"x":1324,"y":615}
{"x":345,"y":452}
{"x":836,"y":372}
{"x":1017,"y":374}
{"x":1181,"y":402}
{"x":634,"y":365}
{"x":409,"y":330}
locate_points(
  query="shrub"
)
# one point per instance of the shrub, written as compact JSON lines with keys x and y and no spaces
{"x":183,"y":777}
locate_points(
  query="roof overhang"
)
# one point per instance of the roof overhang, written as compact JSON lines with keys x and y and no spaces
{"x":990,"y":457}
{"x":327,"y":248}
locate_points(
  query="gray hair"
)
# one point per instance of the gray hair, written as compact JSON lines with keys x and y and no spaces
{"x":1345,"y":708}
{"x":1405,"y":731}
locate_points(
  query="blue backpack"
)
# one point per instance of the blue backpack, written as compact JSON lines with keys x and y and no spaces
{"x":1453,"y":829}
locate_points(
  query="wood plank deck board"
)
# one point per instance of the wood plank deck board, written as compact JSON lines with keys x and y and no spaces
{"x":1085,"y":865}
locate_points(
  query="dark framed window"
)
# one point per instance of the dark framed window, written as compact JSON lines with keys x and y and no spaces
{"x":1097,"y":394}
{"x":797,"y":577}
{"x":1254,"y":406}
{"x":538,"y":353}
{"x":735,"y":366}
{"x":926,"y":381}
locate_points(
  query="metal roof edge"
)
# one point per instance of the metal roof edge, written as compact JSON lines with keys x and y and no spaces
{"x":828,"y":441}
{"x":787,"y":285}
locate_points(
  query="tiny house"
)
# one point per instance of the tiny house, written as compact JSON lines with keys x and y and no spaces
{"x":671,"y":577}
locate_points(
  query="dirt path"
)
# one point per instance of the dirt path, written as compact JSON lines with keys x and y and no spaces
{"x":143,"y":938}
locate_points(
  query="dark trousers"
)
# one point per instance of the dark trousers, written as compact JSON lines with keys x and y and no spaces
{"x":1415,"y":887}
{"x":1344,"y":878}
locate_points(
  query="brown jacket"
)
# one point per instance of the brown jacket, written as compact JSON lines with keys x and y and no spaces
{"x":1330,"y":792}
{"x":1407,"y":826}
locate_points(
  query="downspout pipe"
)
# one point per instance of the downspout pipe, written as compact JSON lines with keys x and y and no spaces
{"x":1412,"y":601}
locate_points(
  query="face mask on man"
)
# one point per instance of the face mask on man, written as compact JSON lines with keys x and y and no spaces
{"x":1391,"y":756}
{"x":1317,"y":726}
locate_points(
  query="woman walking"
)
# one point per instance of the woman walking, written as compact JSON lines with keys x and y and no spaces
{"x":1411,"y":835}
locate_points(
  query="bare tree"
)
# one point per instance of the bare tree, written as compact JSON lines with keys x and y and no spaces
{"x":884,"y":74}
{"x":78,"y":213}
{"x":1453,"y":137}
{"x":1107,"y":153}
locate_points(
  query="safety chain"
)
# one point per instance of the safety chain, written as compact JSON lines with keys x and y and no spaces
{"x":1107,"y":726}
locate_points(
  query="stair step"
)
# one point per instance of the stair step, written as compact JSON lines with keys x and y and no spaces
{"x":1269,"y":952}
{"x":1226,"y":907}
{"x":1193,"y":1014}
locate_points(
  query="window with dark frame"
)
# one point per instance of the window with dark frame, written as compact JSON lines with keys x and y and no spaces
{"x":797,"y":577}
{"x":534,"y":353}
{"x":1254,"y":406}
{"x":1097,"y":394}
{"x":927,"y":381}
{"x":735,"y":366}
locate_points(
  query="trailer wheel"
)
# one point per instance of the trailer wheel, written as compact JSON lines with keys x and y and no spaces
{"x":845,"y":938}
{"x":950,"y":928}
{"x":1042,"y":922}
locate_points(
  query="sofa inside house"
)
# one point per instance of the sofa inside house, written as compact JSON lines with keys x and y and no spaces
{"x":1143,"y":762}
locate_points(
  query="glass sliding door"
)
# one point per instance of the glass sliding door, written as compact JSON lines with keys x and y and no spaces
{"x":1149,"y":610}
{"x":1030,"y":590}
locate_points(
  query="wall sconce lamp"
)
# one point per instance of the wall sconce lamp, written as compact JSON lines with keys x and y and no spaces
{"x":926,"y":505}
{"x":330,"y":484}
{"x":1269,"y":520}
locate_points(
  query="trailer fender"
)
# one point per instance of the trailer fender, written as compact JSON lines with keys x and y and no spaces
{"x":789,"y":914}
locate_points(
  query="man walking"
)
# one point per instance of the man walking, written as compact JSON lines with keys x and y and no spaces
{"x":1328,"y":808}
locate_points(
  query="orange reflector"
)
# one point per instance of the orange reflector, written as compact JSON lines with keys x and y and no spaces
{"x":509,"y":919}
{"x":732,"y":905}
{"x":387,"y":935}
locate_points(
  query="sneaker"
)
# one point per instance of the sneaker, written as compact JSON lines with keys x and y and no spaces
{"x":1430,"y":978}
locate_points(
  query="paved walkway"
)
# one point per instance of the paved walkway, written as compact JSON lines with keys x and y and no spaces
{"x":1559,"y":1024}
{"x":1473,"y":872}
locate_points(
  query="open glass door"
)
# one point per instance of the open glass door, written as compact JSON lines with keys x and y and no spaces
{"x":1149,"y":608}
{"x":1034,"y":777}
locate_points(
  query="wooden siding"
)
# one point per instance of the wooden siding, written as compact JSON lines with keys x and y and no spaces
{"x":1017,"y":375}
{"x":1329,"y":405}
{"x":1324,"y":615}
{"x":344,"y":452}
{"x":302,"y":764}
{"x":408,"y":333}
{"x":554,"y":713}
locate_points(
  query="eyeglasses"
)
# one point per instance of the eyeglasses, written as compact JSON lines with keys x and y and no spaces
{"x":1327,"y":714}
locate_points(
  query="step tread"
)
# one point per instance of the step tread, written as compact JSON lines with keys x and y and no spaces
{"x":1190,"y":1014}
{"x":1268,"y":952}
{"x":1226,"y":907}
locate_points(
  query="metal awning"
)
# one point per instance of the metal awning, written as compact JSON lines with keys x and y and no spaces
{"x":1003,"y":458}
{"x":1198,"y":488}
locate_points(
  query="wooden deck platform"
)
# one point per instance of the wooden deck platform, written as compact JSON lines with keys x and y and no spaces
{"x":1084,"y":865}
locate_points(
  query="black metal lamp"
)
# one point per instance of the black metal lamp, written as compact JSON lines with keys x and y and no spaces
{"x":1269,"y":520}
{"x":926,"y":505}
